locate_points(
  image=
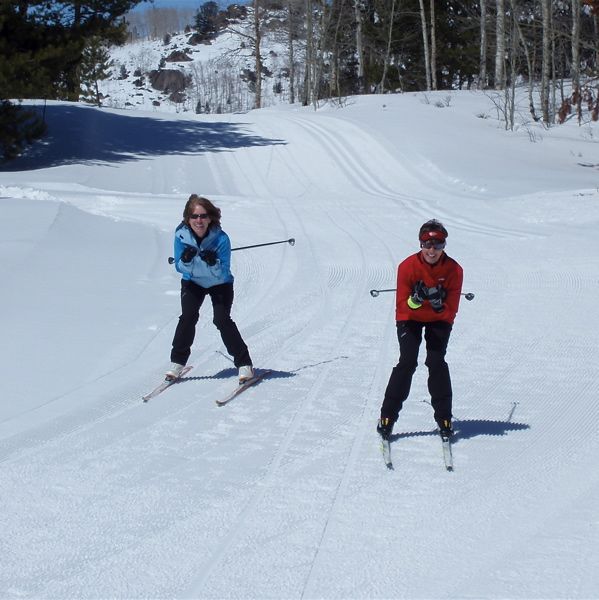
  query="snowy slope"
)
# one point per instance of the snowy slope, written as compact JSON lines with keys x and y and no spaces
{"x":217,"y":72}
{"x":283,"y":492}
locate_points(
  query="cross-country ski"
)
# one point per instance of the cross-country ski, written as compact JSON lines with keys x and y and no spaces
{"x":447,"y":453}
{"x":166,"y":384}
{"x":242,"y":387}
{"x":386,"y":450}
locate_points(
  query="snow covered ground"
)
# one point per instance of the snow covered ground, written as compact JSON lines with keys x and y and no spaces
{"x":283,"y":493}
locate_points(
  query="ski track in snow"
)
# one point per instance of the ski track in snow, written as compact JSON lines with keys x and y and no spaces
{"x":283,"y":492}
{"x":290,"y":458}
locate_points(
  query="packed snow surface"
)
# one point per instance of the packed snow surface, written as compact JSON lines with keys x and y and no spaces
{"x":283,"y":492}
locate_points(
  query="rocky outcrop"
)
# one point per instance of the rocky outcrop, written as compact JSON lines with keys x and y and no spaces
{"x":169,"y":80}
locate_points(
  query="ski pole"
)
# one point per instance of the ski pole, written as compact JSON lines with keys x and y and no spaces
{"x":375,"y":293}
{"x":290,"y":241}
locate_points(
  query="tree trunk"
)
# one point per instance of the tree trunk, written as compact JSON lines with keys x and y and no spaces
{"x":500,"y":46}
{"x":257,"y":40}
{"x":388,"y":51}
{"x":291,"y":29}
{"x":322,"y":36}
{"x":511,"y":89}
{"x":309,"y":54}
{"x":427,"y":61}
{"x":531,"y":104}
{"x":433,"y":48}
{"x":334,"y":85}
{"x":359,"y":45}
{"x":482,"y":69}
{"x":575,"y":67}
{"x":546,"y":59}
{"x":596,"y":30}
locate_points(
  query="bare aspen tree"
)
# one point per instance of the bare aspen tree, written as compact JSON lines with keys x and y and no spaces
{"x":291,"y":13}
{"x":482,"y":69}
{"x":427,"y":61}
{"x":388,"y":50}
{"x":546,"y":58}
{"x":500,"y":45}
{"x":526,"y":50}
{"x":257,"y":43}
{"x":433,"y":48}
{"x":359,"y":44}
{"x":335,"y":84}
{"x":510,"y":91}
{"x":575,"y":68}
{"x":553,"y":60}
{"x":309,"y":53}
{"x":323,"y":33}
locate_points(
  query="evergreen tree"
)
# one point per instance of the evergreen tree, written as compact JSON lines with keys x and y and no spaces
{"x":41,"y":49}
{"x":17,"y":128}
{"x":42,"y":43}
{"x":95,"y":66}
{"x":206,"y":20}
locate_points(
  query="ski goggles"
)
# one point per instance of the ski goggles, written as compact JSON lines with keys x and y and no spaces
{"x":436,"y":244}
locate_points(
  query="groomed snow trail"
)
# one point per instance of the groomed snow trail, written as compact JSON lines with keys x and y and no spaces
{"x":283,"y":492}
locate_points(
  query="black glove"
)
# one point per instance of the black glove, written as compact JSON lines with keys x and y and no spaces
{"x":418,"y":296}
{"x":188,"y":254}
{"x":209,"y":257}
{"x":436,"y":295}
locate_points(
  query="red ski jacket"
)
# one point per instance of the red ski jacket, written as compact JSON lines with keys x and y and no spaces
{"x":446,"y":272}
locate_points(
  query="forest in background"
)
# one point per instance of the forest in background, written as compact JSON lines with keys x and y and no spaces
{"x":332,"y":49}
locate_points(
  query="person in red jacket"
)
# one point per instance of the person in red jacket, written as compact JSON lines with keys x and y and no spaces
{"x":429,"y":285}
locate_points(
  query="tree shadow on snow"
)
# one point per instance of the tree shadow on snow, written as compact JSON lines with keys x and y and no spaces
{"x":465,"y":429}
{"x":84,"y":135}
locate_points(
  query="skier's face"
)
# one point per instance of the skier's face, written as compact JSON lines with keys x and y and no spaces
{"x":199,"y":220}
{"x":430,"y":254}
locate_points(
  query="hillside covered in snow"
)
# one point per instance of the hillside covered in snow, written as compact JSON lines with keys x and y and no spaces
{"x":183,"y":73}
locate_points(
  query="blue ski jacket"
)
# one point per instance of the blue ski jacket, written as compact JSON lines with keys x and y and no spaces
{"x":197,"y":271}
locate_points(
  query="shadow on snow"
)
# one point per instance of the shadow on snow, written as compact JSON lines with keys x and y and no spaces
{"x":231,"y":373}
{"x":85,"y":135}
{"x":465,"y":429}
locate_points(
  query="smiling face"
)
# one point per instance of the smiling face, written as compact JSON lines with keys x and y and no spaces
{"x":430,"y":253}
{"x":432,"y":244}
{"x":199,"y":220}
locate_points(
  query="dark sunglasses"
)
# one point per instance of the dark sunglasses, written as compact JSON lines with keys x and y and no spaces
{"x":202,"y":216}
{"x":432,"y":244}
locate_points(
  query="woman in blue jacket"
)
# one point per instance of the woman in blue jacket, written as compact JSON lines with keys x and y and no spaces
{"x":203,"y":257}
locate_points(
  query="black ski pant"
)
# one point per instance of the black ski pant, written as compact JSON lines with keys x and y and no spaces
{"x":192,"y":297}
{"x":436,"y":336}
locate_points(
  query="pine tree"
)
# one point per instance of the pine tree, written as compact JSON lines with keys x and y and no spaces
{"x":95,"y":66}
{"x":206,"y":21}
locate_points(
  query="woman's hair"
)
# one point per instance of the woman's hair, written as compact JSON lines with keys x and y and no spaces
{"x":195,"y":200}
